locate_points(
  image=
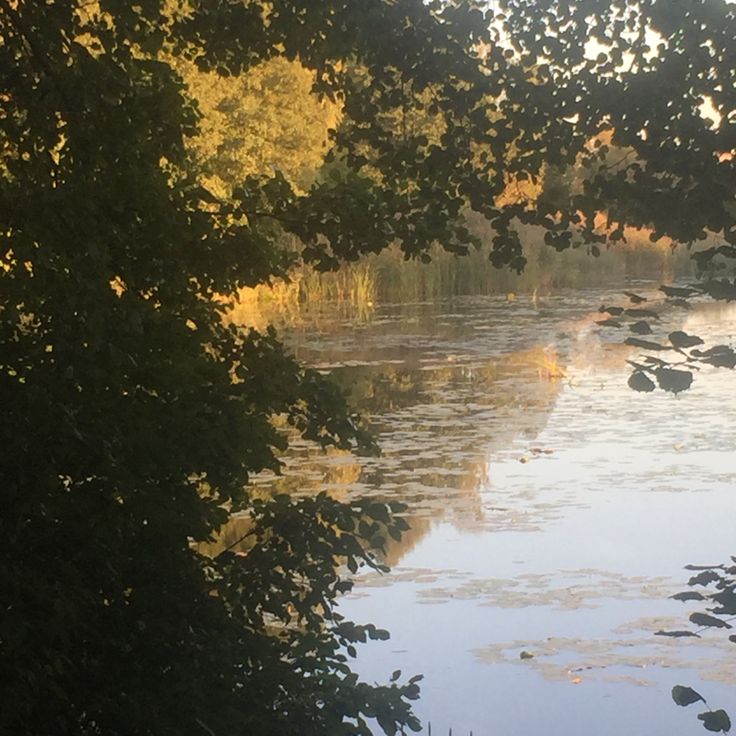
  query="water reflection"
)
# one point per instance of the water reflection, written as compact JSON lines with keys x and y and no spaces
{"x":437,"y":423}
{"x":552,"y":508}
{"x":445,"y":387}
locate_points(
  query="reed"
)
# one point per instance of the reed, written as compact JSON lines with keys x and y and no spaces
{"x":388,"y":277}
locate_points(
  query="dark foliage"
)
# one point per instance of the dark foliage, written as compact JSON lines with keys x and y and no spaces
{"x":133,"y":418}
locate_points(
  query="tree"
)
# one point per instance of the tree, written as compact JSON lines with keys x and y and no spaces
{"x":265,"y":121}
{"x":133,"y":417}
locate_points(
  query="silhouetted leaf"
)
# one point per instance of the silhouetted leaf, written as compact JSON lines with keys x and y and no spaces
{"x":720,"y":289}
{"x":635,"y":298}
{"x":678,"y":291}
{"x":677,"y":634}
{"x":683,"y":695}
{"x":645,"y":344}
{"x":716,"y":720}
{"x":722,"y":360}
{"x":642,"y":313}
{"x":655,"y":361}
{"x":639,"y":381}
{"x":688,"y":595}
{"x":703,"y":619}
{"x":726,"y":599}
{"x":705,"y":577}
{"x":682,"y":340}
{"x":715,"y":350}
{"x":673,"y":380}
{"x":641,"y":328}
{"x":720,"y":356}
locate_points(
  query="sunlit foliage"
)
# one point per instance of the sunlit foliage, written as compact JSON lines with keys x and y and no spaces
{"x":261,"y":122}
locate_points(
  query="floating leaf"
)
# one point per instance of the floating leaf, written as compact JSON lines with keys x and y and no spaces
{"x":615,"y":311}
{"x":716,"y":720}
{"x":639,"y":381}
{"x":526,"y":655}
{"x":608,"y":323}
{"x":683,"y":695}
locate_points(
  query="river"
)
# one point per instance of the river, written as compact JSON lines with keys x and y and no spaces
{"x":552,"y":509}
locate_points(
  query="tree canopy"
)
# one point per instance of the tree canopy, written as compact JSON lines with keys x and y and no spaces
{"x":134,"y":416}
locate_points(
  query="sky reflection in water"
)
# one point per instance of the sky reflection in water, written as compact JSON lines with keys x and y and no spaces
{"x":551,"y":515}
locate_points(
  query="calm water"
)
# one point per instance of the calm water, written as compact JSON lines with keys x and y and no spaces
{"x":552,"y":510}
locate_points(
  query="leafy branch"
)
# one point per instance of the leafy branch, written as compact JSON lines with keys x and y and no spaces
{"x":715,"y":585}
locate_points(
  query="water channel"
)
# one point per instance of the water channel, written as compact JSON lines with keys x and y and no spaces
{"x":552,"y":509}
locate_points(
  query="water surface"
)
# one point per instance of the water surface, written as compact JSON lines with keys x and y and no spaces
{"x":552,"y":510}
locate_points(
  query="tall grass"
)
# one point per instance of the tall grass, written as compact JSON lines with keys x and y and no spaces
{"x":388,"y":277}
